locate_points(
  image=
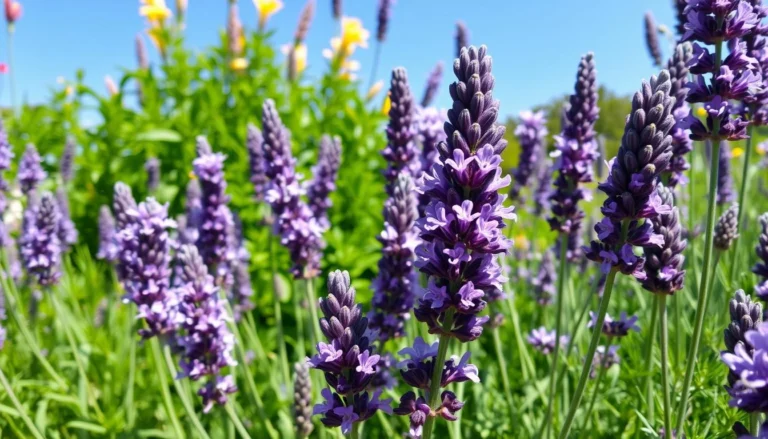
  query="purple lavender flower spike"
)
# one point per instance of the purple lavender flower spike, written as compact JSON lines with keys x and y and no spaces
{"x":67,"y":230}
{"x":652,"y":39}
{"x":462,"y":227}
{"x":543,"y":189}
{"x":123,"y":202}
{"x":462,"y":37}
{"x":336,"y":7}
{"x":746,"y":315}
{"x":725,"y":192}
{"x":216,"y":217}
{"x":255,"y":145}
{"x":761,"y":268}
{"x":429,"y":125}
{"x":664,"y":264}
{"x":296,"y":225}
{"x":544,"y":282}
{"x":604,"y":357}
{"x":645,"y":152}
{"x":40,"y":246}
{"x":66,"y":162}
{"x":30,"y":172}
{"x":204,"y":339}
{"x":6,"y":157}
{"x":193,"y":208}
{"x":395,"y":283}
{"x":382,"y":17}
{"x":577,"y":151}
{"x":152,"y":168}
{"x":544,"y":341}
{"x":347,"y":359}
{"x":433,"y":85}
{"x":615,"y":328}
{"x":305,"y":20}
{"x":241,"y":291}
{"x":144,"y":260}
{"x":531,"y":133}
{"x":681,"y":142}
{"x":323,"y":182}
{"x":712,"y":21}
{"x":400,"y":152}
{"x":108,"y":250}
{"x":680,"y":16}
{"x":750,"y":392}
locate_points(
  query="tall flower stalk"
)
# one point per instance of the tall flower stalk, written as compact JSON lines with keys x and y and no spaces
{"x":462,"y":228}
{"x":531,"y":132}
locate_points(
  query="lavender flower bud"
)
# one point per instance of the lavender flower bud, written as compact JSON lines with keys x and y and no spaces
{"x":324,"y":175}
{"x":544,"y":341}
{"x":205,"y":341}
{"x":761,"y":267}
{"x":123,"y":202}
{"x":645,"y":152}
{"x":400,"y":152}
{"x":66,"y":161}
{"x":336,"y":7}
{"x":108,"y":250}
{"x":40,"y":246}
{"x":6,"y":156}
{"x":615,"y":328}
{"x":302,"y":400}
{"x":255,"y":145}
{"x":466,"y":213}
{"x":30,"y":172}
{"x":152,"y":168}
{"x":531,"y":133}
{"x":604,"y":357}
{"x":664,"y":264}
{"x":462,"y":37}
{"x":544,"y":188}
{"x":681,"y":142}
{"x":142,"y":60}
{"x":67,"y":230}
{"x":234,"y":31}
{"x":746,"y":315}
{"x":652,"y":39}
{"x":382,"y":17}
{"x":429,"y":125}
{"x":725,"y":193}
{"x":305,"y":20}
{"x":193,"y":207}
{"x":394,"y":286}
{"x":433,"y":85}
{"x":727,"y":228}
{"x":544,"y":283}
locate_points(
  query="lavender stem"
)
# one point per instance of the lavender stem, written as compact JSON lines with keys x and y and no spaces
{"x":236,"y":421}
{"x":648,"y":386}
{"x":22,"y":412}
{"x":743,"y":191}
{"x":590,"y":354}
{"x":596,"y":390}
{"x":183,"y":393}
{"x":661,"y":300}
{"x":503,"y":367}
{"x":560,"y":298}
{"x":279,"y":319}
{"x":312,"y":297}
{"x":167,"y":400}
{"x":437,"y":373}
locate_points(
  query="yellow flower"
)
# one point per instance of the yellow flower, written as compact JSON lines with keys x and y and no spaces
{"x":737,"y":152}
{"x":157,"y":37}
{"x":154,"y":10}
{"x":701,"y":112}
{"x":386,"y":105}
{"x":374,"y":90}
{"x":353,"y":33}
{"x":69,"y":90}
{"x":267,"y":8}
{"x":521,"y":242}
{"x":238,"y":64}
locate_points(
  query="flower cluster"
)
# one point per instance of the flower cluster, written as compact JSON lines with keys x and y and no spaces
{"x":382,"y":17}
{"x":605,"y":357}
{"x":152,"y":168}
{"x":40,"y":246}
{"x":429,"y":123}
{"x":750,"y":391}
{"x":577,"y":151}
{"x":746,"y":315}
{"x":347,"y":359}
{"x":302,"y":400}
{"x":727,"y":228}
{"x":298,"y":229}
{"x":400,"y":152}
{"x":544,"y":282}
{"x":394,"y":286}
{"x":204,"y":340}
{"x":66,"y":162}
{"x":652,"y":39}
{"x":681,"y":141}
{"x":462,"y":37}
{"x":544,"y":341}
{"x":323,"y":181}
{"x":30,"y":172}
{"x":761,"y":268}
{"x":6,"y":156}
{"x":615,"y":328}
{"x":531,"y":133}
{"x":433,"y":85}
{"x":67,"y":231}
{"x":108,"y":250}
{"x":645,"y":152}
{"x":417,"y":370}
{"x":255,"y":144}
{"x":664,"y":264}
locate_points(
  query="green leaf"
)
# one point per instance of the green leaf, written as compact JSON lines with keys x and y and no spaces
{"x":159,"y":135}
{"x":87,"y":426}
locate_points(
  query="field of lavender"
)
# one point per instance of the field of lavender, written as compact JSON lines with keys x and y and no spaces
{"x":236,"y":249}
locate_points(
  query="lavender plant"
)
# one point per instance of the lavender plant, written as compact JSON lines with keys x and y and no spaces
{"x":323,"y":182}
{"x":531,"y":133}
{"x":433,"y":85}
{"x":39,"y":242}
{"x":30,"y":172}
{"x":652,"y":39}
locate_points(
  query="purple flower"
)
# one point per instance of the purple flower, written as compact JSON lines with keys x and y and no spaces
{"x":750,"y":391}
{"x":664,"y":264}
{"x":324,"y":175}
{"x":383,"y":16}
{"x":400,"y":152}
{"x":302,"y":400}
{"x":394,"y":285}
{"x":347,"y":360}
{"x":544,"y":341}
{"x":6,"y":157}
{"x":152,"y":168}
{"x":429,"y":126}
{"x":336,"y":7}
{"x":305,"y":19}
{"x":204,"y":339}
{"x":297,"y":227}
{"x":108,"y":249}
{"x":67,"y":230}
{"x":531,"y":133}
{"x":462,"y":226}
{"x":462,"y":37}
{"x":681,"y":142}
{"x":761,"y":267}
{"x":67,"y":160}
{"x":258,"y":168}
{"x":544,"y":282}
{"x":645,"y":152}
{"x":39,"y":242}
{"x":240,"y":291}
{"x":30,"y":172}
{"x":144,"y":263}
{"x":433,"y":85}
{"x":746,"y":315}
{"x":543,"y":189}
{"x":615,"y":328}
{"x":727,"y":228}
{"x":710,"y":21}
{"x":652,"y":40}
{"x":604,"y":357}
{"x":577,"y":151}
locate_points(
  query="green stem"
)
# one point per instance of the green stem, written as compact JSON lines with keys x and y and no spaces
{"x":236,"y":421}
{"x":130,"y":408}
{"x":560,"y":298}
{"x":299,"y":317}
{"x":355,"y":434}
{"x":678,"y":302}
{"x":661,"y":300}
{"x":648,"y":361}
{"x":316,"y":334}
{"x":590,"y":354}
{"x":183,"y":394}
{"x":167,"y":399}
{"x":22,"y":412}
{"x":279,"y":318}
{"x":701,"y":304}
{"x":526,"y":363}
{"x":375,"y":66}
{"x":742,"y":192}
{"x":504,"y":374}
{"x":596,"y":391}
{"x":437,"y":373}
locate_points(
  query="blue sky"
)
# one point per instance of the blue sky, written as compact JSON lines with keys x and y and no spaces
{"x":535,"y":45}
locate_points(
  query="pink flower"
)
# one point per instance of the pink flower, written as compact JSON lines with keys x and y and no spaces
{"x":12,"y":11}
{"x":3,"y":68}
